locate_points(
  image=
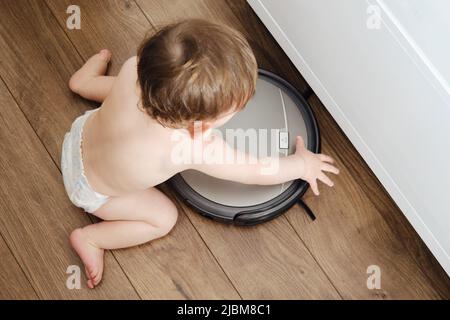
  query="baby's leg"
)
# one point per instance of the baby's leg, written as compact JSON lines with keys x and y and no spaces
{"x":129,"y":221}
{"x":89,"y":81}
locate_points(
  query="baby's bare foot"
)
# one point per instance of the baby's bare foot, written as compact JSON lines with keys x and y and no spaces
{"x":91,"y":256}
{"x":94,"y":67}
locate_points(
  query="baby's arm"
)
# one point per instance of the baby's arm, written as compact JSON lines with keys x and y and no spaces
{"x":267,"y":171}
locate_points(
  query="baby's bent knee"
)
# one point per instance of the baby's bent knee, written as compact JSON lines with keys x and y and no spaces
{"x":167,"y":220}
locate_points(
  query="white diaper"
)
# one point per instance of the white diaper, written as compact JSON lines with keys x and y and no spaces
{"x":77,"y":186}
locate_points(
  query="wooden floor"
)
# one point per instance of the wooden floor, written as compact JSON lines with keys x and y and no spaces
{"x":291,"y":257}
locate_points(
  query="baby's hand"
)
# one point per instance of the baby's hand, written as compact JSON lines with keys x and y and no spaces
{"x":312,"y":166}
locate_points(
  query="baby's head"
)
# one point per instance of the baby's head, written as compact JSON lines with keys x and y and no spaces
{"x":195,"y":70}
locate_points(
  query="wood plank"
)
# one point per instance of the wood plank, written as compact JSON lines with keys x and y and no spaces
{"x":263,"y":262}
{"x":381,"y":200}
{"x":267,"y":261}
{"x":13,"y":283}
{"x":237,"y":14}
{"x":117,"y":25}
{"x":37,"y":69}
{"x":179,"y":266}
{"x":36,"y":215}
{"x":349,"y":235}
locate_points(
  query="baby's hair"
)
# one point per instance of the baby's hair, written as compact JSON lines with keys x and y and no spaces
{"x":195,"y":70}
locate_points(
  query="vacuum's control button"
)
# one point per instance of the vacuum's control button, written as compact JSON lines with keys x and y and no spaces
{"x":284,"y":139}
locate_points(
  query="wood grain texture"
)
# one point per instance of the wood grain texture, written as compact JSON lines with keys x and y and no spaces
{"x":179,"y":266}
{"x":37,"y":61}
{"x":117,"y":25}
{"x":349,"y":235}
{"x":37,"y":217}
{"x":263,"y":262}
{"x":13,"y":283}
{"x":266,"y":261}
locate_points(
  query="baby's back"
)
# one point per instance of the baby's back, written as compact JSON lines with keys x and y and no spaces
{"x":124,"y":150}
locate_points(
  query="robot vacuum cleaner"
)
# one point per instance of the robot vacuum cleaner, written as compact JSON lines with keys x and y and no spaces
{"x":279,"y":109}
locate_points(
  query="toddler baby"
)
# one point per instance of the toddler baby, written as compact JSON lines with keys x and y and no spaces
{"x":187,"y":73}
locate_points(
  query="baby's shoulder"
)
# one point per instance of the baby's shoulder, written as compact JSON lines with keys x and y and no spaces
{"x":129,"y":67}
{"x":127,"y":77}
{"x":131,"y":62}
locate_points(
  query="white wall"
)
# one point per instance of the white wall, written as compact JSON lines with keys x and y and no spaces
{"x":388,"y":89}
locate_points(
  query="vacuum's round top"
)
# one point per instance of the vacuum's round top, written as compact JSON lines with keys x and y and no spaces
{"x":269,"y":112}
{"x":267,"y":126}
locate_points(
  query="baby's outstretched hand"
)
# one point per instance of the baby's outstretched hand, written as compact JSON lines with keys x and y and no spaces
{"x":312,"y":166}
